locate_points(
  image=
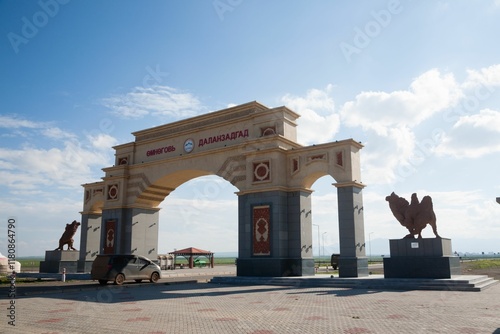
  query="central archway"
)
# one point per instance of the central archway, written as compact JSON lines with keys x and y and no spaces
{"x":202,"y":213}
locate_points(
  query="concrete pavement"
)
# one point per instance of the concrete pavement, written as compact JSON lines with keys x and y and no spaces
{"x":262,"y":309}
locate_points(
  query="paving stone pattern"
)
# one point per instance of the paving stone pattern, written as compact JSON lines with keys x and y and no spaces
{"x":209,"y":308}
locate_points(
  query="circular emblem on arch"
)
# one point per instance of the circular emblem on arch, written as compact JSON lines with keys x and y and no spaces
{"x":188,"y":145}
{"x":261,"y":171}
{"x":113,"y":191}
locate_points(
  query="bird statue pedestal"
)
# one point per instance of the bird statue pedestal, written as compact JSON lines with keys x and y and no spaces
{"x":421,"y":258}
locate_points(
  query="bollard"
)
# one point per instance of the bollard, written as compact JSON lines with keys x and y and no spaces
{"x":64,"y":275}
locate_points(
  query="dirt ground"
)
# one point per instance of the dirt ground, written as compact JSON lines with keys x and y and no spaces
{"x":491,"y":272}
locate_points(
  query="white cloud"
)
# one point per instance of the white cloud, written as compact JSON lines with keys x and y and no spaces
{"x":14,"y":122}
{"x":155,"y":101}
{"x":473,"y":136}
{"x":19,"y":127}
{"x":56,"y":133}
{"x":428,"y":94}
{"x":318,"y":122}
{"x":393,"y":151}
{"x":487,"y":76}
{"x":30,"y":168}
{"x":479,"y":90}
{"x":486,"y":119}
{"x":102,"y":141}
{"x":388,"y":158}
{"x":389,"y":119}
{"x":475,"y":213}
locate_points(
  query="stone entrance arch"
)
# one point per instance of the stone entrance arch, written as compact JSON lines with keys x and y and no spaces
{"x":254,"y":148}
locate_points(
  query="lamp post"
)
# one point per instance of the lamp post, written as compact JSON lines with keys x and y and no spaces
{"x":323,"y":235}
{"x":370,"y":243}
{"x":319,"y":242}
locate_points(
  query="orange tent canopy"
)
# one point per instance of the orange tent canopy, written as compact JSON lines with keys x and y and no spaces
{"x":191,"y":251}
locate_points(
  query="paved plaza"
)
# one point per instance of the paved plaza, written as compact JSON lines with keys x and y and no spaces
{"x":209,"y":308}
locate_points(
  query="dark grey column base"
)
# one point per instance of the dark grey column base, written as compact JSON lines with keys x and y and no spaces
{"x":84,"y":266}
{"x":353,"y":266}
{"x":421,"y":267}
{"x":56,"y":267}
{"x":261,"y":267}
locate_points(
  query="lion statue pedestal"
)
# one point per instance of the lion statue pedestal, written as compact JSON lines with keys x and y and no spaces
{"x":56,"y":261}
{"x":59,"y":259}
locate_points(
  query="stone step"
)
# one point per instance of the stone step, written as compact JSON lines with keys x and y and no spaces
{"x":484,"y":284}
{"x":459,"y":283}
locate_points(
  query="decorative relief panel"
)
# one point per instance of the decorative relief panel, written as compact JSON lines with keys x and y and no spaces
{"x":317,"y":157}
{"x":233,"y":169}
{"x":261,"y":171}
{"x":109,"y":242}
{"x":295,"y":165}
{"x":267,"y":131}
{"x":92,"y":193}
{"x":261,"y":230}
{"x":339,"y":158}
{"x":123,"y":161}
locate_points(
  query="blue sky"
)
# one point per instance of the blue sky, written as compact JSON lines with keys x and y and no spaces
{"x":417,"y":82}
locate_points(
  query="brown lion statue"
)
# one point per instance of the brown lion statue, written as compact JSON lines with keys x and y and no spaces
{"x":415,"y":215}
{"x":67,"y":237}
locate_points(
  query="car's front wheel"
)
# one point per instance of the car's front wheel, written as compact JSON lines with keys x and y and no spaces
{"x":119,"y":279}
{"x":154,"y":277}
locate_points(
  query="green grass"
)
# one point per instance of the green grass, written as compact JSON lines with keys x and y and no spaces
{"x":29,"y":262}
{"x":224,"y":260}
{"x":217,"y":261}
{"x":485,"y":264}
{"x":6,"y":280}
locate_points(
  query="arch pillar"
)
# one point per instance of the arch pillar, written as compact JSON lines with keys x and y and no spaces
{"x":130,"y":231}
{"x":353,"y":261}
{"x":275,"y":234}
{"x":90,"y":238}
